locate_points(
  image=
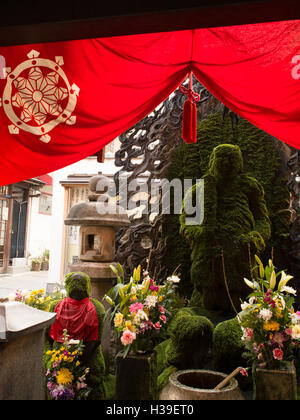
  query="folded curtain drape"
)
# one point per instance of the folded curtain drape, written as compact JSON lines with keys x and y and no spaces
{"x":63,"y":101}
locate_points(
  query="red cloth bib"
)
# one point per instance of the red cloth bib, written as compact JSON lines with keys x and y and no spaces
{"x":78,"y":317}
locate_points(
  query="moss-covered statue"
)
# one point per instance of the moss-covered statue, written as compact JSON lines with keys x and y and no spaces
{"x":83,"y":318}
{"x":235,"y":215}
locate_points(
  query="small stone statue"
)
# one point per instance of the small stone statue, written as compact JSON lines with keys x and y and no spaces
{"x":83,"y":318}
{"x":235,"y":221}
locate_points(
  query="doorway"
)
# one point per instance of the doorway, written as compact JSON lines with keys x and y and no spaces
{"x":5,"y":206}
{"x":19,"y":223}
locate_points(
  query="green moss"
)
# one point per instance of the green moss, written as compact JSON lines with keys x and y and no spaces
{"x":110,"y":386}
{"x":163,"y":378}
{"x":261,"y":162}
{"x":161,"y":355}
{"x":78,"y":285}
{"x":190,"y":339}
{"x":228,"y":348}
{"x":235,"y":215}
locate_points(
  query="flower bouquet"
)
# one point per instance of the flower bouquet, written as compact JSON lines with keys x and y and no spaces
{"x":271,"y":327}
{"x":140,"y":309}
{"x":36,"y":298}
{"x":66,"y":377}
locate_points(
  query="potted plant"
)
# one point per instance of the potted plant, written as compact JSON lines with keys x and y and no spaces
{"x":140,"y":312}
{"x":271,"y":333}
{"x":45,"y":260}
{"x":35,"y":264}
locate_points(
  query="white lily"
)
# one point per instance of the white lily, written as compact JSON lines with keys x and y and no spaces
{"x":249,"y":283}
{"x":273,"y":280}
{"x":261,"y":267}
{"x":283,"y":281}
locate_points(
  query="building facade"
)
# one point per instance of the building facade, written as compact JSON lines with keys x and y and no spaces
{"x":16,"y":203}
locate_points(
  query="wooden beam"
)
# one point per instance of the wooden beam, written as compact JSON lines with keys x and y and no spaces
{"x":71,"y":26}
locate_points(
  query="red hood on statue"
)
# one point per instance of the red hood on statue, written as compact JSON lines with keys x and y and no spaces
{"x":78,"y":317}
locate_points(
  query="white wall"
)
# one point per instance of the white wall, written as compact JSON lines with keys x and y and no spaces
{"x":88,"y":166}
{"x":39,"y":227}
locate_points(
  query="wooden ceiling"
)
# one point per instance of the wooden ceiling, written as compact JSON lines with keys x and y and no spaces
{"x":36,"y":21}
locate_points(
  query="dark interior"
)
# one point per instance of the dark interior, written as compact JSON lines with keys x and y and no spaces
{"x":200,"y":380}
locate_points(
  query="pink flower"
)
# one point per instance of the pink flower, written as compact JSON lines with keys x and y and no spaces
{"x":80,"y":385}
{"x":157,"y":326}
{"x":153,"y":288}
{"x":279,"y":339}
{"x":163,"y":318}
{"x":267,"y":296}
{"x":278,"y":354}
{"x":262,"y":365}
{"x":244,"y":372}
{"x":145,"y":326}
{"x":136,"y":307}
{"x":249,"y":333}
{"x":289,"y":331}
{"x":128,"y":337}
{"x":161,"y":309}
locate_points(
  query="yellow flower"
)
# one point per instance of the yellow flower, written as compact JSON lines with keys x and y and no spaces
{"x":129,"y":326}
{"x":296,"y":332}
{"x":271,"y":326}
{"x":134,"y":297}
{"x":64,"y":377}
{"x":160,"y":298}
{"x":77,"y":363}
{"x":118,"y":320}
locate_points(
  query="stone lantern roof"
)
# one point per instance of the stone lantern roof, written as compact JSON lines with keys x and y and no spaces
{"x":99,"y":210}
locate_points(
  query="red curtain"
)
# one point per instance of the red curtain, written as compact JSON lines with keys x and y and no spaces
{"x":61,"y":102}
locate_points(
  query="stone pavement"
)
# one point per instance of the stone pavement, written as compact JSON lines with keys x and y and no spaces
{"x":32,"y":280}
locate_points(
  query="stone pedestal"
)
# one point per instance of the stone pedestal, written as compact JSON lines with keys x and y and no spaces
{"x":136,"y":377}
{"x":22,"y":376}
{"x":101,"y":276}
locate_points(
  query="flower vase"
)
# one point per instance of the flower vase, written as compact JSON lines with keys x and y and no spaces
{"x":279,"y":384}
{"x":136,"y":377}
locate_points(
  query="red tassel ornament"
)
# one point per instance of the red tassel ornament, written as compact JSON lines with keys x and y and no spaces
{"x":189,"y":119}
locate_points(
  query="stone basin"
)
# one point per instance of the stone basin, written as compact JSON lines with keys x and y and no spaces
{"x":195,"y":384}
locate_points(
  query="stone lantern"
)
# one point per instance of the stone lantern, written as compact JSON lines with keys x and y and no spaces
{"x":99,"y":219}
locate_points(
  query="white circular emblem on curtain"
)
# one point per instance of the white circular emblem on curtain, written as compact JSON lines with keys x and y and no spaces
{"x":38,"y":96}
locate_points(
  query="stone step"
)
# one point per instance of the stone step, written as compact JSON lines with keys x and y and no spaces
{"x":18,"y":270}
